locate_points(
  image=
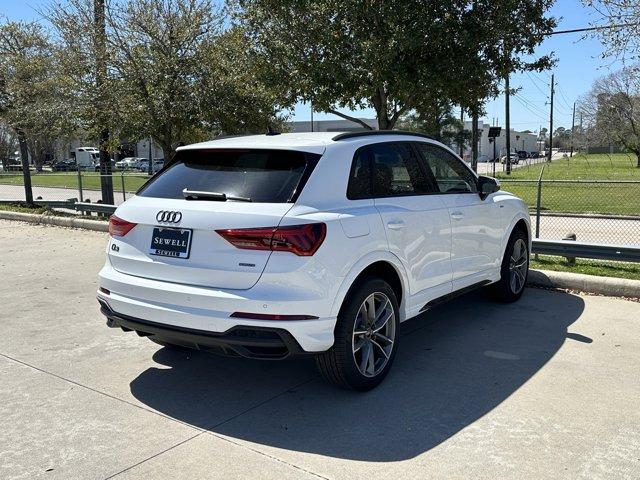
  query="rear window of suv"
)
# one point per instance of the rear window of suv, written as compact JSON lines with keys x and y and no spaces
{"x":268,"y":176}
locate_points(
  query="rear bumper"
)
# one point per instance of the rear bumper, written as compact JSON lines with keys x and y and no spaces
{"x":250,"y":342}
{"x":200,"y":317}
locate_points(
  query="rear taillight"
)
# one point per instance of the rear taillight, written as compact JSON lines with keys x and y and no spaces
{"x":303,"y":240}
{"x":119,"y":227}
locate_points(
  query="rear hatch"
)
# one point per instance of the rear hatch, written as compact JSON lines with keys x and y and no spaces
{"x":177,"y":213}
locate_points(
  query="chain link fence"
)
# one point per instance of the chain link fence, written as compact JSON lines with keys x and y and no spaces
{"x":60,"y":186}
{"x":592,"y":211}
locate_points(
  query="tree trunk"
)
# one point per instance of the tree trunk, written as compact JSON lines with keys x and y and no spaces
{"x":638,"y":157}
{"x":474,"y":141}
{"x":24,"y":153}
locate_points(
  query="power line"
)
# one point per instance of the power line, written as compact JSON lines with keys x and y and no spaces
{"x":531,"y":105}
{"x":591,"y":29}
{"x":533,"y":80}
{"x":564,"y":99}
{"x":532,"y":112}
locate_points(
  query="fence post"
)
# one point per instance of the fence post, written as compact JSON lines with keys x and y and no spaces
{"x":124,"y":195}
{"x":80,"y":184}
{"x":538,"y":202}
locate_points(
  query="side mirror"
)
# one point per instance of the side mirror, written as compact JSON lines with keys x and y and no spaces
{"x":487,"y":186}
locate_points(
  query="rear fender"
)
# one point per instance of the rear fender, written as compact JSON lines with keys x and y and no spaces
{"x":360,"y":266}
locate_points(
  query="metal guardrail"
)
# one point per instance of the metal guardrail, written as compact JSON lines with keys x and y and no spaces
{"x":70,"y":204}
{"x":569,"y":248}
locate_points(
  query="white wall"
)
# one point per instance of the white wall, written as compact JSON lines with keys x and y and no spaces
{"x":331,"y":126}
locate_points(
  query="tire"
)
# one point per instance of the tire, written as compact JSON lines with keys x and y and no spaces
{"x":345,"y":365}
{"x":514,"y":270}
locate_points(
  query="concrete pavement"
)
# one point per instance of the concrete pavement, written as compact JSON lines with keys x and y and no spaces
{"x":544,"y":388}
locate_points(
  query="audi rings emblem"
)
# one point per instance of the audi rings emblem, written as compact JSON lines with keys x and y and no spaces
{"x":166,"y":216}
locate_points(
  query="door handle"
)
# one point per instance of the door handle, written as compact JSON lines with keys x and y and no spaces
{"x":457,"y":215}
{"x":395,"y":225}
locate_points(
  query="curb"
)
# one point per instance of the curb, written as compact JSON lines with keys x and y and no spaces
{"x":44,"y":219}
{"x":609,"y":286}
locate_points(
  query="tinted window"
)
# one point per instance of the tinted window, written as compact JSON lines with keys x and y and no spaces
{"x":272,"y":176}
{"x":360,"y":177}
{"x":395,"y":169}
{"x":450,"y":174}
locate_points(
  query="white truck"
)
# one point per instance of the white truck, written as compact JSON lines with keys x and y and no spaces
{"x":87,"y":157}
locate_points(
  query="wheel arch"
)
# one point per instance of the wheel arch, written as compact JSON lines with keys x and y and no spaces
{"x":519,"y":222}
{"x":387,"y":267}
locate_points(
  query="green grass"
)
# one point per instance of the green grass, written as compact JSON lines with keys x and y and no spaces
{"x":618,"y":166}
{"x":588,"y":267}
{"x":615,"y":199}
{"x":90,"y":181}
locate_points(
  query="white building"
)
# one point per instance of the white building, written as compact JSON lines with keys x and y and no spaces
{"x":331,"y":126}
{"x":519,"y":141}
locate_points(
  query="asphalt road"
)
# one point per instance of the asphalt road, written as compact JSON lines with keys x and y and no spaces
{"x":546,"y":388}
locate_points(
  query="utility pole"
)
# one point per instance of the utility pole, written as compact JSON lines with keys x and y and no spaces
{"x":106,"y":180}
{"x":311,"y":103}
{"x":550,"y":152}
{"x":582,"y":142}
{"x":507,"y":123}
{"x":573,"y":127}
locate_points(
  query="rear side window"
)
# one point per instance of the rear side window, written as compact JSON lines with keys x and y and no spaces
{"x":268,"y":176}
{"x":388,"y":169}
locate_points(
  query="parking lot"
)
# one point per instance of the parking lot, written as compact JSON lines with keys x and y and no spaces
{"x":544,"y":388}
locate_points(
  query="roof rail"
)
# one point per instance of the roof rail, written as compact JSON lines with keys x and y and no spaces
{"x":345,"y":136}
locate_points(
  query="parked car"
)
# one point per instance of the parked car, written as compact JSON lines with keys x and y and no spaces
{"x":113,"y":166}
{"x":522,"y":154}
{"x":65,"y":165}
{"x":533,"y":155}
{"x":515,"y":159}
{"x":129,"y":163}
{"x":483,"y":159}
{"x":316,"y":244}
{"x":143,"y":166}
{"x":14,"y":165}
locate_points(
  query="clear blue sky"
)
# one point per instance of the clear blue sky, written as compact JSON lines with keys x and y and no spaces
{"x":579,"y":63}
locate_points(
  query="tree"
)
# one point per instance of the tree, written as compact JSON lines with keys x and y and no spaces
{"x":562,"y":137}
{"x":434,"y":117}
{"x":32,"y":98}
{"x":177,"y":73}
{"x":388,"y":54}
{"x":623,"y":18}
{"x":232,"y":98}
{"x":612,"y":110}
{"x":374,"y":54}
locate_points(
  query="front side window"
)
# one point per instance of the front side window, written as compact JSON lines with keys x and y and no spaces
{"x":449,"y":173}
{"x":272,"y":176}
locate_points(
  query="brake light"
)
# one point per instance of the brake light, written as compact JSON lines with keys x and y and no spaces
{"x":119,"y":227}
{"x":302,"y":240}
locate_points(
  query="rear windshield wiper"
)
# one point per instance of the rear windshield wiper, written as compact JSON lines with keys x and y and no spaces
{"x":215,"y":196}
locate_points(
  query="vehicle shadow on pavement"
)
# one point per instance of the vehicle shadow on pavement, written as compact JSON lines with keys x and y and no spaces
{"x":455,"y":364}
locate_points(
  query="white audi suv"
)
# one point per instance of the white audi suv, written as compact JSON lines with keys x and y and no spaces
{"x":278,"y":245}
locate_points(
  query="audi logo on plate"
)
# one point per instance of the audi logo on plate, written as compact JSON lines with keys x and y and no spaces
{"x":167,"y":216}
